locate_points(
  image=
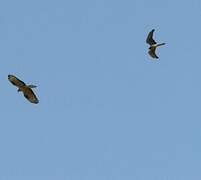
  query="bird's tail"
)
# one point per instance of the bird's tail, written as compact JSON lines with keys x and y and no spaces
{"x":161,"y":44}
{"x":32,"y":86}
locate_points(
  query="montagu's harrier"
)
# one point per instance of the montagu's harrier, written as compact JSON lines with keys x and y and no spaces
{"x":153,"y":44}
{"x":26,"y":89}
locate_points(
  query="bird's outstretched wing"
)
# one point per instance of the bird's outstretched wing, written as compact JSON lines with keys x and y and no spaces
{"x":152,"y":53}
{"x":29,"y":94}
{"x":150,"y":39}
{"x":15,"y":81}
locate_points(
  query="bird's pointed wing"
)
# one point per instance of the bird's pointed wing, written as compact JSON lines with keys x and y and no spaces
{"x":29,"y":94}
{"x":15,"y":81}
{"x":152,"y":53}
{"x":150,"y":39}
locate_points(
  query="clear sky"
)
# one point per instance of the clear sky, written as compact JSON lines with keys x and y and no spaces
{"x":107,"y":111}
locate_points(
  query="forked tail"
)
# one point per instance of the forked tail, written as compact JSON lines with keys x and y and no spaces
{"x":161,"y":44}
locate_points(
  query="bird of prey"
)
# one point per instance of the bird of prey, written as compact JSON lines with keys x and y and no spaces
{"x":153,"y":44}
{"x":26,"y":89}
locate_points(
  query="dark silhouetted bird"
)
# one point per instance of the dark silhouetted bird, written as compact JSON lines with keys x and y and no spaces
{"x":26,"y":89}
{"x":153,"y":44}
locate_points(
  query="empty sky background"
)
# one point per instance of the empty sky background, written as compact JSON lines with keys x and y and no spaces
{"x":107,"y":111}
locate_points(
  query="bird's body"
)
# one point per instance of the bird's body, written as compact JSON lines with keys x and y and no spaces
{"x":26,"y":89}
{"x":153,"y":44}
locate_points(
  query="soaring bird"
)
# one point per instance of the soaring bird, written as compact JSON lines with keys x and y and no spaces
{"x":153,"y":44}
{"x":26,"y":89}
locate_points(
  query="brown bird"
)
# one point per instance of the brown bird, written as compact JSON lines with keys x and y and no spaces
{"x":153,"y":44}
{"x":26,"y":89}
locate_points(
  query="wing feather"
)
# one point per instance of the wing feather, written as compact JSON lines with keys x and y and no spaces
{"x":15,"y":81}
{"x":29,"y":94}
{"x":150,"y":39}
{"x":152,"y":53}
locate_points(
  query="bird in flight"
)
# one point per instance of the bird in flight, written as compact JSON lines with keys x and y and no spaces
{"x":153,"y":44}
{"x":26,"y":89}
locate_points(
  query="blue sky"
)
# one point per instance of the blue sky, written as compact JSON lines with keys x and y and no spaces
{"x":107,"y":111}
